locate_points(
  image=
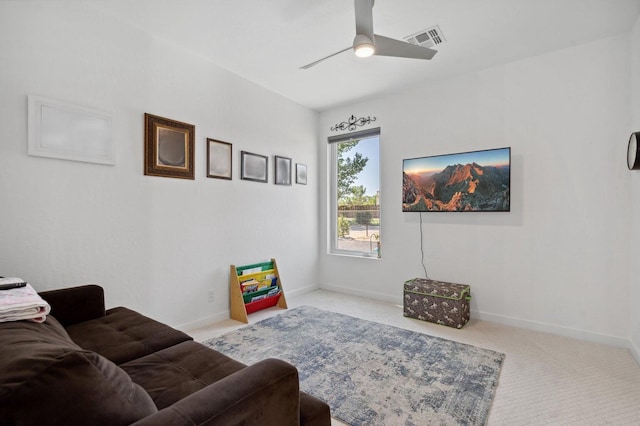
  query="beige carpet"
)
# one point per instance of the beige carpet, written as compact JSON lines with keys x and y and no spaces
{"x":545,"y":379}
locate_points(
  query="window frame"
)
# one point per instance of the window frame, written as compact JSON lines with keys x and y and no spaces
{"x":332,"y":152}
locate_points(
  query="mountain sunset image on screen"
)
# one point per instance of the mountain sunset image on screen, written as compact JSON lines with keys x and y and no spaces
{"x":462,"y":182}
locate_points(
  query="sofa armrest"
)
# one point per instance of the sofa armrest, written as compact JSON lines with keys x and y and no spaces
{"x":76,"y":304}
{"x":265,"y":393}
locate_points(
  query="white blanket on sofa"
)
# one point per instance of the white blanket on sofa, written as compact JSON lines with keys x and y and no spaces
{"x":23,"y":303}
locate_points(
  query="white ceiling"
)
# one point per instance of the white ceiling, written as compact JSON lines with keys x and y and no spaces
{"x":267,"y":41}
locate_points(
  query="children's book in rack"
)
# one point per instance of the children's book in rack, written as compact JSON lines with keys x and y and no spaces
{"x":255,"y":287}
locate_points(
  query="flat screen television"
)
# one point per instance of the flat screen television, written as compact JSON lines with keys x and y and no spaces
{"x":475,"y":181}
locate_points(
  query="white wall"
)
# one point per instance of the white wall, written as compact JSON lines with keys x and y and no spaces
{"x":559,"y":260}
{"x":635,"y":194}
{"x":156,"y":244}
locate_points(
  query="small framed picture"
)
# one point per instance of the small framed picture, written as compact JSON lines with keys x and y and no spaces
{"x":168,"y":147}
{"x":218,"y":159}
{"x":283,"y":170}
{"x":254,"y":167}
{"x":301,"y":174}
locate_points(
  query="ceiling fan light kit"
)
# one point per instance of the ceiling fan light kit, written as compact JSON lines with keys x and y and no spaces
{"x":366,"y":43}
{"x":363,"y":46}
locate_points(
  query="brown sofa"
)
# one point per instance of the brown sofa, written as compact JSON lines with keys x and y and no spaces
{"x":88,"y":366}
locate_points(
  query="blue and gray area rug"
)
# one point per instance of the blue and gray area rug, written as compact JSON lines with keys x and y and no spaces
{"x":374,"y":374}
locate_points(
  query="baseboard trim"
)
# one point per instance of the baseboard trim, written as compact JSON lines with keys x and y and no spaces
{"x":511,"y":321}
{"x":363,"y":293}
{"x":226,"y":314}
{"x":203,"y":322}
{"x":301,"y":291}
{"x":484,"y":316}
{"x":635,"y":351}
{"x":575,"y":333}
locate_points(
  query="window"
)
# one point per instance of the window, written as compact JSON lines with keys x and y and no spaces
{"x":355,"y":194}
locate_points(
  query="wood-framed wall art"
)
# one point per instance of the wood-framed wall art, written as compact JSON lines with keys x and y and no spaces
{"x":168,"y":148}
{"x":254,"y":167}
{"x":219,"y":159}
{"x":60,"y":129}
{"x":301,"y":174}
{"x":282,"y":170}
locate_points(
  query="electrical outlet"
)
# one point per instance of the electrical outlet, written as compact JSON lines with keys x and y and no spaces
{"x":211,"y":295}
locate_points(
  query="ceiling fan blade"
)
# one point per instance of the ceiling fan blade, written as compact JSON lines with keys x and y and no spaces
{"x":364,"y":17}
{"x":386,"y":46}
{"x":326,"y":57}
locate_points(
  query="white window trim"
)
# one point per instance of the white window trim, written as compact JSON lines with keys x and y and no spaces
{"x":333,"y":193}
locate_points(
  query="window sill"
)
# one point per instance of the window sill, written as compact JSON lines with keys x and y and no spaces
{"x":359,"y":255}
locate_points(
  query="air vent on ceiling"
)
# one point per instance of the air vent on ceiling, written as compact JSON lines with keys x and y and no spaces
{"x":427,"y":38}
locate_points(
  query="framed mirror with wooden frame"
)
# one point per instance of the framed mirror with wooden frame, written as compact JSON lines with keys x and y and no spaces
{"x":168,"y":148}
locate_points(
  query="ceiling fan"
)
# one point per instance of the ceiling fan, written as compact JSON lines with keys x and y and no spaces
{"x":366,"y":43}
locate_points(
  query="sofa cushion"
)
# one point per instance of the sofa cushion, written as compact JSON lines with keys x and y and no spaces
{"x":23,"y":342}
{"x":176,"y":372}
{"x":46,"y":378}
{"x":122,"y":335}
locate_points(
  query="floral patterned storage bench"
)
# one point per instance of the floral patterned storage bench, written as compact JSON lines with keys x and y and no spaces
{"x":437,"y":301}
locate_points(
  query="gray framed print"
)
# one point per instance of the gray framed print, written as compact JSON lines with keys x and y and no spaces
{"x":301,"y":174}
{"x":218,"y":159}
{"x":254,"y":167}
{"x":283,"y":170}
